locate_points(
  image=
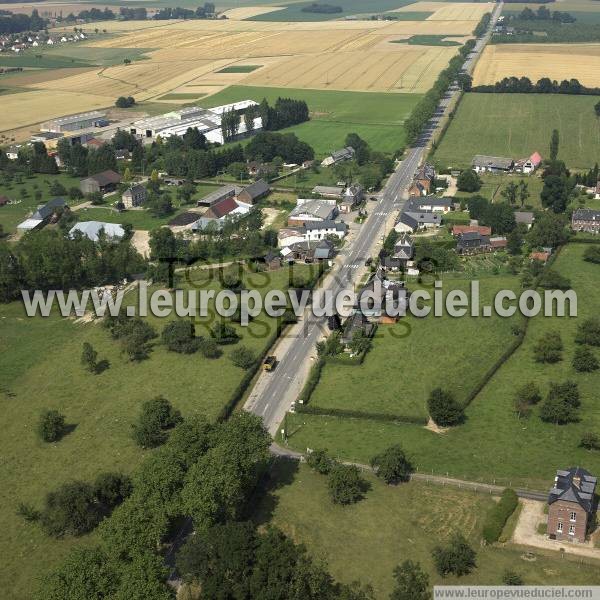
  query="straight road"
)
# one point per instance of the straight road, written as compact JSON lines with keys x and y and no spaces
{"x":275,"y":392}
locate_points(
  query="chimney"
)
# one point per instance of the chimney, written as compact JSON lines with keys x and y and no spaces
{"x":577,"y":481}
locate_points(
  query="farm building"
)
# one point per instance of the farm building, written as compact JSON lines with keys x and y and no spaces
{"x":86,"y":120}
{"x":219,"y":212}
{"x":206,"y":120}
{"x":586,"y":219}
{"x":571,"y":504}
{"x":328,"y":191}
{"x":308,"y":210}
{"x":227,"y":191}
{"x":104,"y":183}
{"x":352,"y":196}
{"x":134,"y":196}
{"x":93,"y":230}
{"x":528,"y":165}
{"x":527,"y":218}
{"x":492,"y":164}
{"x":42,"y":215}
{"x":339,"y":156}
{"x":254,"y":192}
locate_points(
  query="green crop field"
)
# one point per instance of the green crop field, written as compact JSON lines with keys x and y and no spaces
{"x":294,"y":12}
{"x":240,"y":69}
{"x":406,"y":348}
{"x":365,"y":541}
{"x":516,"y":125}
{"x":428,"y":40}
{"x":493,"y":444}
{"x":377,"y":117}
{"x":41,"y":368}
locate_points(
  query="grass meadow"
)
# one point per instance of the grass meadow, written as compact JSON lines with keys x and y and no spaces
{"x":494,"y":185}
{"x":377,"y":117}
{"x":365,"y":541}
{"x":466,"y":348}
{"x":493,"y":444}
{"x":13,"y":214}
{"x":41,"y":368}
{"x":516,"y":125}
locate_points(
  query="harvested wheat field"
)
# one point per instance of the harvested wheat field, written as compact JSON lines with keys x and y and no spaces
{"x":557,"y":61}
{"x":25,"y":108}
{"x":408,"y":69}
{"x":454,"y":11}
{"x":247,"y":12}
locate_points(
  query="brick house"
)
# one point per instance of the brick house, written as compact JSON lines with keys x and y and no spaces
{"x":571,"y":504}
{"x":134,"y":196}
{"x":586,"y":219}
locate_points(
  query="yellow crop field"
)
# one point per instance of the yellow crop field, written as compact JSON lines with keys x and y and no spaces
{"x":25,"y":108}
{"x":557,"y":61}
{"x":247,"y":12}
{"x":409,"y":69}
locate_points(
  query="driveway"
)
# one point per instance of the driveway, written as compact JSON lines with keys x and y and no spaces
{"x":526,"y":533}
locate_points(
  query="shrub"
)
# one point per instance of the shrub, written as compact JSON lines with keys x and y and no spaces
{"x":527,"y":396}
{"x":584,"y":360}
{"x":27,"y":512}
{"x":51,"y":426}
{"x":552,"y":280}
{"x":392,"y":465}
{"x":345,"y":484}
{"x":468,"y":181}
{"x":209,"y":348}
{"x":588,"y":332}
{"x":511,"y":578}
{"x":444,"y":409}
{"x":224,"y":333}
{"x":179,"y":336}
{"x":457,"y":558}
{"x":592,"y":254}
{"x":320,"y":461}
{"x":243,"y":357}
{"x":561,"y":403}
{"x":590,"y":441}
{"x":548,"y":349}
{"x":156,"y":418}
{"x":89,"y":357}
{"x":497,"y":516}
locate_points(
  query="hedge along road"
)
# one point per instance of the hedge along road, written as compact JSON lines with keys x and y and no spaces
{"x":275,"y":392}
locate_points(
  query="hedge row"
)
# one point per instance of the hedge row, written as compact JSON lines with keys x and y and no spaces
{"x":359,"y":414}
{"x":314,"y":377}
{"x":497,"y":516}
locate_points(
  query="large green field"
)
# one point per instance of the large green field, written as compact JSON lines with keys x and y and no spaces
{"x":41,"y":368}
{"x":377,"y":117}
{"x":365,"y":541}
{"x":516,"y":125}
{"x":466,"y":349}
{"x":493,"y":444}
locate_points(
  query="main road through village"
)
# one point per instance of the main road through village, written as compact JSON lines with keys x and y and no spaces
{"x":275,"y":392}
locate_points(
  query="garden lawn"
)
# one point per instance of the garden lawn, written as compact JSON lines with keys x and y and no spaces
{"x":13,"y":214}
{"x":493,"y":444}
{"x":516,"y":125}
{"x":377,"y":117}
{"x":405,"y":352}
{"x":493,"y":185}
{"x":365,"y":541}
{"x":41,"y":368}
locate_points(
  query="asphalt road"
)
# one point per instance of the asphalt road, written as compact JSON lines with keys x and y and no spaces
{"x":271,"y":401}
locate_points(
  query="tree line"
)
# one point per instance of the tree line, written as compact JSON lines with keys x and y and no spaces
{"x":528,"y":31}
{"x":202,"y":12}
{"x":545,"y":85}
{"x":543,"y":14}
{"x":17,"y":22}
{"x":285,"y":113}
{"x":426,"y":107}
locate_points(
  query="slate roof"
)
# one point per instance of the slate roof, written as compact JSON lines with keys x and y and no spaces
{"x":106,"y":178}
{"x":493,"y":162}
{"x":415,"y":219}
{"x":586,"y":214}
{"x":219,"y":194}
{"x":524,"y":217}
{"x":186,"y":218}
{"x":574,"y":485}
{"x":325,"y":225}
{"x":316,"y":208}
{"x":221,"y":209}
{"x":257,"y":189}
{"x":46,"y":211}
{"x":327,"y":190}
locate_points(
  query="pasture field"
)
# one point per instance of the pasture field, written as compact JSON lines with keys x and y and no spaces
{"x":556,"y":61}
{"x":493,"y":444}
{"x":41,"y":369}
{"x":516,"y":125}
{"x":493,"y":185}
{"x":405,"y":349}
{"x":13,"y":214}
{"x":366,"y":540}
{"x":376,"y":117}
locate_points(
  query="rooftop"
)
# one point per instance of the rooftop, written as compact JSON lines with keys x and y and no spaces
{"x":574,"y":485}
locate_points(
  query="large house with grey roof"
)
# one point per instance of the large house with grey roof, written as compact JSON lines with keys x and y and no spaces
{"x":586,"y":219}
{"x":571,"y":504}
{"x":492,"y":164}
